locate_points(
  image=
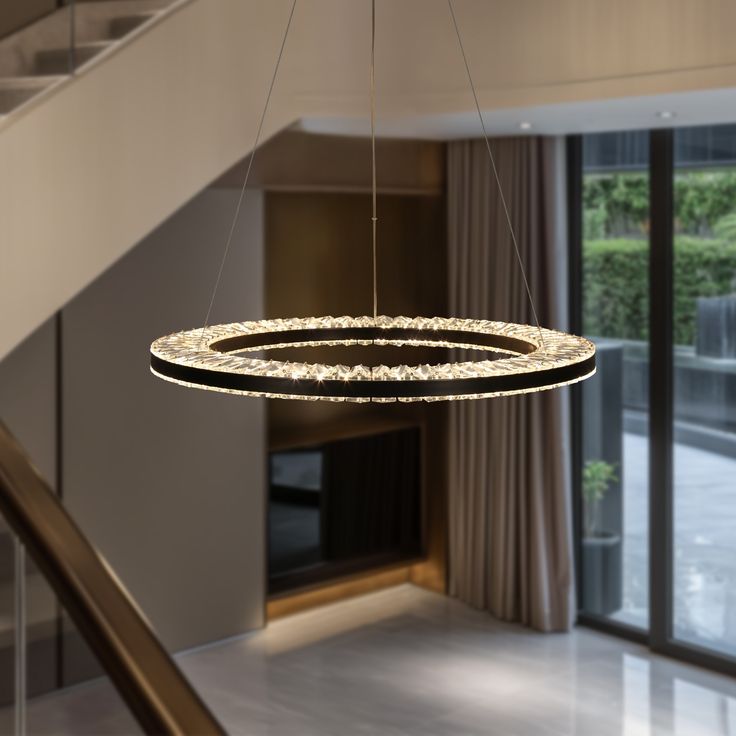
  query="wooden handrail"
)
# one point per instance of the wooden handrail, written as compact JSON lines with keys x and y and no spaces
{"x":157,"y":693}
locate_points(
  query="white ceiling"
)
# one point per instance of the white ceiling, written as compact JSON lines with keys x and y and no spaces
{"x":688,"y":108}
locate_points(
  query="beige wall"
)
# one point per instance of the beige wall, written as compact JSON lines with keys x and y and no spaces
{"x":169,"y":482}
{"x":28,"y":397}
{"x":525,"y":52}
{"x":28,"y":409}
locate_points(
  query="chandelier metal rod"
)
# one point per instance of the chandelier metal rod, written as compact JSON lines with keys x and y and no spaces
{"x":495,"y":172}
{"x":248,"y":169}
{"x":374,"y":218}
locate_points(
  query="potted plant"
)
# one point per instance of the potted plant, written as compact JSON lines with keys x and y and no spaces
{"x":602,"y":582}
{"x":597,"y":478}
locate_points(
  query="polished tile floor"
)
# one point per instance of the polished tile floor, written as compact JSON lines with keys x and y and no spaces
{"x":405,"y":661}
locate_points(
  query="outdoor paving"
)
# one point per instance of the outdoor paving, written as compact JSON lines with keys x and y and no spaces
{"x":704,"y":541}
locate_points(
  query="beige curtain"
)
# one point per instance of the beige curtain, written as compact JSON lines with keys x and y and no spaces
{"x":510,"y":548}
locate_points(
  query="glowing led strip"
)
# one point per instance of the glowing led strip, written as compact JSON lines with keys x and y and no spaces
{"x":218,"y":358}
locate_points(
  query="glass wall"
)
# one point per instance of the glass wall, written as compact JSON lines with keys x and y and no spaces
{"x":615,"y":402}
{"x":704,"y":401}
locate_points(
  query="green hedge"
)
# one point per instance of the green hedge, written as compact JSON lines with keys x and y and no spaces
{"x":616,"y":284}
{"x":617,"y":205}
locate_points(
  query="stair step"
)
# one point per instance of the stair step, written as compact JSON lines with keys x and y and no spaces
{"x":124,"y":24}
{"x":56,"y":61}
{"x":16,"y":91}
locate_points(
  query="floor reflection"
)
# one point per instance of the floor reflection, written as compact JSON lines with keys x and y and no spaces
{"x":405,"y":661}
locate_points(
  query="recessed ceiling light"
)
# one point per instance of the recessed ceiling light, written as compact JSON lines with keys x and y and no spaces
{"x":525,"y":126}
{"x":665,"y":114}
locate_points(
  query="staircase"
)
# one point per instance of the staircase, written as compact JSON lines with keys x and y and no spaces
{"x":37,"y":57}
{"x":146,"y":677}
{"x":165,"y":96}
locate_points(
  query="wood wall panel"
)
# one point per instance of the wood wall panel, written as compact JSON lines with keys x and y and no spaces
{"x":318,"y":262}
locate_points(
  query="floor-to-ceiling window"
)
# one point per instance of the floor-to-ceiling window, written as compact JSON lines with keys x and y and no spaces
{"x":615,"y":419}
{"x":653,"y":249}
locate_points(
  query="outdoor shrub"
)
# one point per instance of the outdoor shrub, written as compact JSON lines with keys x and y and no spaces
{"x":594,"y":223}
{"x":725,"y":228}
{"x":702,"y":198}
{"x":624,"y":198}
{"x":616,"y":284}
{"x":615,"y":288}
{"x":702,"y":268}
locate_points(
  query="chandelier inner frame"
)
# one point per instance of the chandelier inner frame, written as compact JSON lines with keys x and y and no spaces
{"x":220,"y":358}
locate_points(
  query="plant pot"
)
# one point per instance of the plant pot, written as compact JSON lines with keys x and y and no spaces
{"x":602,"y":577}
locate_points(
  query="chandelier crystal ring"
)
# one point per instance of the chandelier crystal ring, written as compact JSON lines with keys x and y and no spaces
{"x":220,"y":358}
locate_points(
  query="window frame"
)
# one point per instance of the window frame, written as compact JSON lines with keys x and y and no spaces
{"x":660,"y":635}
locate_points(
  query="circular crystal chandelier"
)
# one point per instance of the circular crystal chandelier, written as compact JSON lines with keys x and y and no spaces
{"x":220,"y":357}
